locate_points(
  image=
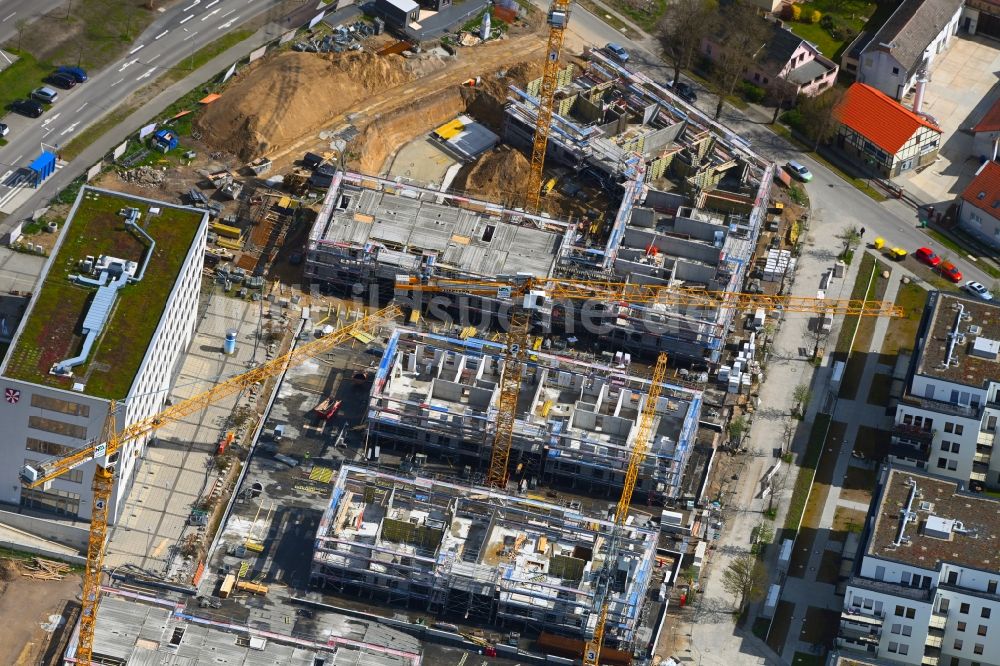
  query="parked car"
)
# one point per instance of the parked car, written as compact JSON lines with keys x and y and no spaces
{"x":950,"y":271}
{"x":4,"y":130}
{"x":78,"y":74}
{"x":27,"y":107}
{"x":978,"y":290}
{"x":617,"y":51}
{"x":926,"y":255}
{"x":45,"y":94}
{"x":897,"y":254}
{"x":64,"y":81}
{"x":684,"y":90}
{"x":799,"y":171}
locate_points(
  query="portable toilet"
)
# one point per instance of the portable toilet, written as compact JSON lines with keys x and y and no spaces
{"x":165,"y":140}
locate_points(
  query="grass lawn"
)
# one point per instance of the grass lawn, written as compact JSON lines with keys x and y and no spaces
{"x":644,"y":13}
{"x":872,"y":443}
{"x":902,"y":331}
{"x":860,"y":289}
{"x":806,"y":472}
{"x":18,"y":80}
{"x":780,"y":623}
{"x":814,"y":507}
{"x":52,"y":333}
{"x":859,"y":483}
{"x":848,"y":520}
{"x":848,"y":16}
{"x":829,"y":567}
{"x":878,"y":393}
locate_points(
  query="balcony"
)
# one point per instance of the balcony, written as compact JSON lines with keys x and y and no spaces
{"x":934,"y":639}
{"x":932,"y":656}
{"x":942,"y":407}
{"x":985,"y":438}
{"x":938,"y":621}
{"x":981,"y":458}
{"x":912,"y":433}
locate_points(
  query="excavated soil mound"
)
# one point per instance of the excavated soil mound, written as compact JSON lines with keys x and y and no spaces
{"x":499,"y":176}
{"x":270,"y":105}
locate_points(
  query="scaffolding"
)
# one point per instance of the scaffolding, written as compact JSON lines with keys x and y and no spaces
{"x":575,"y":420}
{"x":475,"y":555}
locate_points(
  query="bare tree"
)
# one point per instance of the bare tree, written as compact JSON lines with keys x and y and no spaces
{"x":682,"y":31}
{"x":819,"y":117}
{"x":20,"y":26}
{"x":781,"y":93}
{"x":740,"y":37}
{"x":745,"y":578}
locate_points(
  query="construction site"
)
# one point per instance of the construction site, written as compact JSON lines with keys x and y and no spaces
{"x":521,"y":487}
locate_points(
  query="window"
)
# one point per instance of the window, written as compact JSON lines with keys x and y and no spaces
{"x":73,"y":476}
{"x":960,"y":626}
{"x":57,"y":427}
{"x":904,"y":648}
{"x":978,"y":648}
{"x":952,"y":465}
{"x":963,"y":609}
{"x":982,"y":630}
{"x":56,"y":501}
{"x":955,"y":661}
{"x":897,"y":628}
{"x":959,"y":429}
{"x":954,"y":447}
{"x":911,"y":613}
{"x":942,"y":463}
{"x":899,"y":611}
{"x":893,"y":646}
{"x":48,"y":448}
{"x":991,"y":587}
{"x":62,"y":406}
{"x":944,"y":605}
{"x":895,"y":70}
{"x":948,"y":425}
{"x":958,"y":643}
{"x":907,"y":630}
{"x":985,"y":613}
{"x":908,"y":419}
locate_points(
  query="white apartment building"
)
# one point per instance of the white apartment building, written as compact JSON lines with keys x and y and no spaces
{"x":926,"y":590}
{"x":946,"y":421}
{"x":115,"y":307}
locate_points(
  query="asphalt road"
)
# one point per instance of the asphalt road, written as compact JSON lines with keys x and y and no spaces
{"x":831,"y":198}
{"x":178,"y":33}
{"x":12,"y":12}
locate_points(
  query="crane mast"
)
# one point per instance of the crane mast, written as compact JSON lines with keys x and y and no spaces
{"x":111,"y":442}
{"x":557,"y":19}
{"x":640,"y":447}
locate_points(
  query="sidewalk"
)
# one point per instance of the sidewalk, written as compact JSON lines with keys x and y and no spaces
{"x":102,"y":146}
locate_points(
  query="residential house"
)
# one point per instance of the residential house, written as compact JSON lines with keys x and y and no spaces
{"x":882,"y":134}
{"x":786,"y":60}
{"x":982,"y":17}
{"x":946,"y":419}
{"x":892,"y":57}
{"x":979,"y":209}
{"x":926,"y":588}
{"x":986,"y":134}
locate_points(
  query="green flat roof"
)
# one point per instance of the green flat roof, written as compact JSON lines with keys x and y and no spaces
{"x":51,"y":331}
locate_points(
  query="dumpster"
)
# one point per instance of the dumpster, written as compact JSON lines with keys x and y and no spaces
{"x":878,"y":243}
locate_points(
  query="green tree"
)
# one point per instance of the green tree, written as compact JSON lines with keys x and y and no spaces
{"x":851,"y":237}
{"x":737,"y":427}
{"x":801,"y":394}
{"x":682,"y":31}
{"x":745,"y":578}
{"x":818,"y":113}
{"x":740,"y":37}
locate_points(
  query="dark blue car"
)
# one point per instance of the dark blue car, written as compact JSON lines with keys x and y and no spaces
{"x":76,"y":72}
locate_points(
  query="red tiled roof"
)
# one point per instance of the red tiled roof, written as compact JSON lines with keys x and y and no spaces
{"x":987,"y":184}
{"x":990,"y":121}
{"x":879,"y":118}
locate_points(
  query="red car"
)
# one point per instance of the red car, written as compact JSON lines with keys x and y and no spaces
{"x":950,"y":271}
{"x":926,"y":255}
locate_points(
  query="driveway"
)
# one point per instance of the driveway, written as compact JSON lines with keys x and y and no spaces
{"x":963,"y":86}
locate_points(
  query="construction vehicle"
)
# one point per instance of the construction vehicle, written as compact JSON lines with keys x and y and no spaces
{"x":327,"y":408}
{"x":558,"y":18}
{"x":105,"y":453}
{"x":524,"y":291}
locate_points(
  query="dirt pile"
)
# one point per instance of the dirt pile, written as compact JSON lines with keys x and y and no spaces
{"x":486,"y":100}
{"x":498,"y":176}
{"x":271,"y":105}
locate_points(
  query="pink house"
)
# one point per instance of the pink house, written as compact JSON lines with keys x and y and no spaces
{"x":789,"y":59}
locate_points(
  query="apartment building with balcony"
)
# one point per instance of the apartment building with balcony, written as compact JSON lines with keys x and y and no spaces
{"x":926,"y":589}
{"x":946,"y":421}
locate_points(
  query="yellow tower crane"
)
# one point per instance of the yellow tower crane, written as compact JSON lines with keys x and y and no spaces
{"x":557,"y":19}
{"x":526,"y":293}
{"x":105,"y":453}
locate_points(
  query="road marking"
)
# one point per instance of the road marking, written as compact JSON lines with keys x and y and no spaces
{"x":212,"y":4}
{"x":210,"y":14}
{"x":228,"y":13}
{"x":187,"y":18}
{"x":146,"y":75}
{"x":18,"y":158}
{"x":149,"y":60}
{"x":48,"y":131}
{"x":117,"y":82}
{"x":229,"y":23}
{"x":50,"y":119}
{"x":190,"y":36}
{"x":161,"y":34}
{"x":4,"y":177}
{"x":133,"y":51}
{"x":8,"y":17}
{"x":69,"y":129}
{"x":81,"y":107}
{"x":192,"y":5}
{"x":128,"y":64}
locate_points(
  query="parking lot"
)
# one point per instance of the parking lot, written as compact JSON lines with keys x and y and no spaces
{"x":963,"y":86}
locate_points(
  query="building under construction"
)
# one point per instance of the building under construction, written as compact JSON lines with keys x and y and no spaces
{"x":477,"y":554}
{"x":576,"y":422}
